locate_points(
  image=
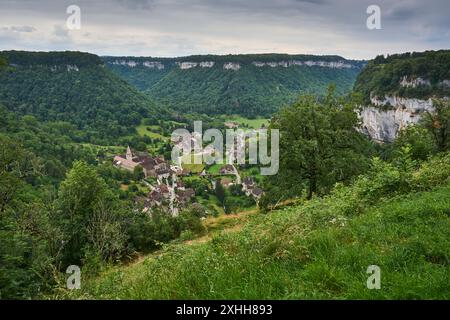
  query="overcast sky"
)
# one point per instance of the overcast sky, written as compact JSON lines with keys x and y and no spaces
{"x":169,"y":28}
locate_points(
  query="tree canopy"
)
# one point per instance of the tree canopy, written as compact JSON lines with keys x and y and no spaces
{"x":319,"y":146}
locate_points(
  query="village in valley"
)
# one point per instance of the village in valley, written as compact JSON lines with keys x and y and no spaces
{"x":173,"y":187}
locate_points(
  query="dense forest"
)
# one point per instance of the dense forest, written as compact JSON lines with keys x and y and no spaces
{"x":383,"y":75}
{"x":60,"y":204}
{"x":250,"y":91}
{"x":76,"y":88}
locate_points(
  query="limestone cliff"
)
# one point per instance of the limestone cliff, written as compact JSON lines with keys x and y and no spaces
{"x":399,"y":89}
{"x":383,"y":120}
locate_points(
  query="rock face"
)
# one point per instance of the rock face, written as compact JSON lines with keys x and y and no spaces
{"x":153,"y":65}
{"x":383,"y":124}
{"x":189,"y":65}
{"x":414,"y":83}
{"x":231,"y":66}
{"x":385,"y":117}
{"x":445,"y":83}
{"x":207,"y":64}
{"x":235,"y":63}
{"x":129,"y":63}
{"x":185,"y":65}
{"x":72,"y":68}
{"x":68,"y":68}
{"x":324,"y":64}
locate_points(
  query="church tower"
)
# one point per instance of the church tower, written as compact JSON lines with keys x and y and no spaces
{"x":129,"y":155}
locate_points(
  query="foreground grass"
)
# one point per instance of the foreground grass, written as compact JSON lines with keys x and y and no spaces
{"x":305,"y":252}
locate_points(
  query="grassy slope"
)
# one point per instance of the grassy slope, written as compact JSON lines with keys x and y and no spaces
{"x":251,"y":123}
{"x":320,"y":249}
{"x":142,"y":130}
{"x":215,"y":169}
{"x":192,"y":167}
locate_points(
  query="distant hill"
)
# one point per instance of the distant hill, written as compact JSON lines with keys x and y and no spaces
{"x":74,"y":87}
{"x":399,"y":88}
{"x":410,"y":75}
{"x":250,"y":85}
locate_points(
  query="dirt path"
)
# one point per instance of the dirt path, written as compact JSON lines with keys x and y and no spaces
{"x":240,"y":219}
{"x":214,"y":226}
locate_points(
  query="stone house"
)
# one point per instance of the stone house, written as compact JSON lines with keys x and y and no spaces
{"x":226,"y":169}
{"x":153,"y":167}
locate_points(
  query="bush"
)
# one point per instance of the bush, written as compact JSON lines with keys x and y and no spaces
{"x":432,"y":173}
{"x":187,"y":235}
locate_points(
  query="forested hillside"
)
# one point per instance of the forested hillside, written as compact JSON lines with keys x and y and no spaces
{"x":250,"y":85}
{"x":61,"y":199}
{"x":411,"y":75}
{"x":73,"y":87}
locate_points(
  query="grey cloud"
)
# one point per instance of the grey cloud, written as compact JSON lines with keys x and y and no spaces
{"x":136,"y":4}
{"x":60,"y":31}
{"x":180,"y":27}
{"x":26,"y":29}
{"x":403,"y":11}
{"x":23,"y":29}
{"x":313,"y":1}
